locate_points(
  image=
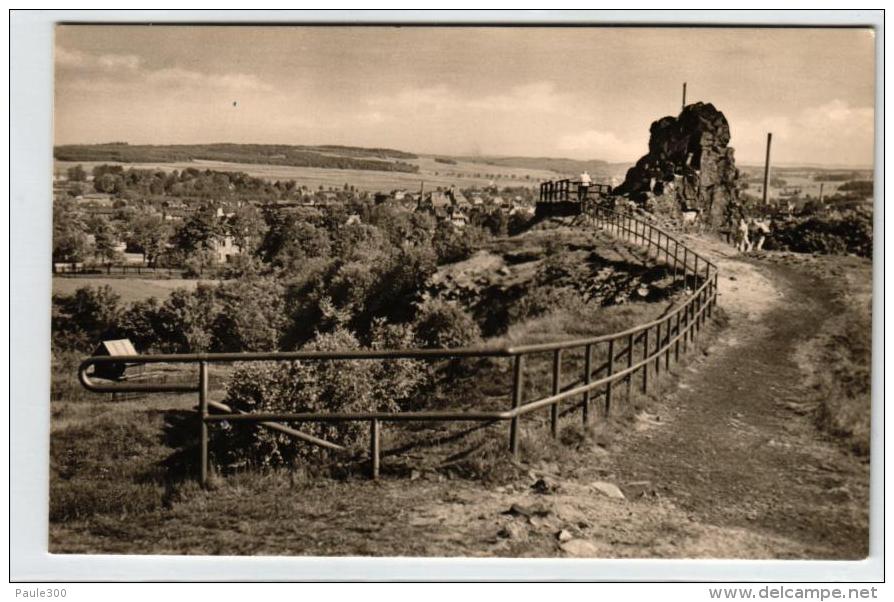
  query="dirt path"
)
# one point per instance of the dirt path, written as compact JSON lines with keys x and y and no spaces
{"x":728,"y":464}
{"x":738,"y":448}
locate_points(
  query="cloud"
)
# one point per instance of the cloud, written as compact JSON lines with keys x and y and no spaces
{"x":67,"y":59}
{"x":177,"y":77}
{"x":119,"y":61}
{"x":838,"y":114}
{"x":540,"y":97}
{"x":832,"y":132}
{"x":601,"y":144}
{"x":121,"y":73}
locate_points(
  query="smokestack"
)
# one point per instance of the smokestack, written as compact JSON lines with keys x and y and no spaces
{"x":684,"y":95}
{"x":767,"y":168}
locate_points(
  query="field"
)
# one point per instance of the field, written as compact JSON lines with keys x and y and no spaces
{"x":130,"y":289}
{"x":796,"y":178}
{"x":463,"y":174}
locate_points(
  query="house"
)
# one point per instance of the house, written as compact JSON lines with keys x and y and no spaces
{"x":460,"y":201}
{"x":96,"y":199}
{"x":438,"y":204}
{"x":459,"y":218}
{"x":226,"y":249}
{"x":522,"y":209}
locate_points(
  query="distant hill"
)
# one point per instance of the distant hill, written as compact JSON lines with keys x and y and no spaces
{"x":558,"y":165}
{"x":327,"y":156}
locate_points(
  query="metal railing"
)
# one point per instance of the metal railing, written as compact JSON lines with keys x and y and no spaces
{"x":570,"y":190}
{"x":635,"y":353}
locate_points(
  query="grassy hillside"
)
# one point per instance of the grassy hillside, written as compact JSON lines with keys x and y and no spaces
{"x":333,"y":157}
{"x":558,"y":165}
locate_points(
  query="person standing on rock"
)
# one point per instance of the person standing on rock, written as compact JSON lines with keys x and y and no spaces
{"x":742,"y":242}
{"x":761,"y":228}
{"x":583,"y":188}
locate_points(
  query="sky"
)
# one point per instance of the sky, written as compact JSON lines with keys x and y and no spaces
{"x":583,"y":93}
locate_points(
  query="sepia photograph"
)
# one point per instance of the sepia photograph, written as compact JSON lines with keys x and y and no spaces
{"x":469,"y":291}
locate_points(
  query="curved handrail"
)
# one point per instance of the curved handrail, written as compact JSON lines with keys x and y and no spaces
{"x":693,"y":309}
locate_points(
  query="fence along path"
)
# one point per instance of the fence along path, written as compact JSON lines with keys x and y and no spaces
{"x":633,"y":354}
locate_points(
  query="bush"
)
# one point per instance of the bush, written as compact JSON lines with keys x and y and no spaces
{"x":83,"y":319}
{"x":251,"y":315}
{"x":308,"y":386}
{"x":835,"y":234}
{"x":442,"y":324}
{"x":542,"y":300}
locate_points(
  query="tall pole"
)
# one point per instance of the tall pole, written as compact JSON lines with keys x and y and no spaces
{"x":684,"y":95}
{"x":767,"y":167}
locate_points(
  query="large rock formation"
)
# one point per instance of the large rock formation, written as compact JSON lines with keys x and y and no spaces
{"x":689,"y":162}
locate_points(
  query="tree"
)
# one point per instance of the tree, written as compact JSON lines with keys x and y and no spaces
{"x":198,"y":232}
{"x":139,"y":323}
{"x":247,"y":228}
{"x":250,"y":316}
{"x":183,"y":322}
{"x":149,"y":233}
{"x":290,"y":241}
{"x":105,"y":238}
{"x":441,"y":324}
{"x":69,"y":240}
{"x":87,"y":316}
{"x":77,"y":173}
{"x":109,"y":183}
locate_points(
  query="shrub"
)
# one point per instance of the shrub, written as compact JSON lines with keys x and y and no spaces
{"x":251,"y":315}
{"x":308,"y":386}
{"x":442,"y":324}
{"x":541,"y":300}
{"x":84,"y":318}
{"x":183,"y":322}
{"x":835,"y":234}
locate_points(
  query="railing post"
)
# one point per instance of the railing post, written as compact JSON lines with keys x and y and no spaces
{"x":676,"y":245}
{"x":611,"y":370}
{"x":715,"y":288}
{"x":695,"y":274}
{"x":554,"y":408}
{"x":645,"y":362}
{"x":692,"y":320}
{"x":374,"y":448}
{"x":701,"y":308}
{"x":685,"y":266}
{"x":588,"y":368}
{"x":677,"y":342}
{"x":517,"y":385}
{"x":629,"y":365}
{"x":667,"y":340}
{"x":203,"y":429}
{"x":686,"y":327}
{"x":657,"y":351}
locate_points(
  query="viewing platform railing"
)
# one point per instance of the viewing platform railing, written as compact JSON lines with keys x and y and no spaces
{"x":571,"y":190}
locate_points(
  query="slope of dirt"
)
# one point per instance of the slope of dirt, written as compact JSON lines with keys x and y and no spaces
{"x":739,"y":448}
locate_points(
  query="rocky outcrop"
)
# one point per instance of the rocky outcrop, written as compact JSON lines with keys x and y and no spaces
{"x":689,"y":162}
